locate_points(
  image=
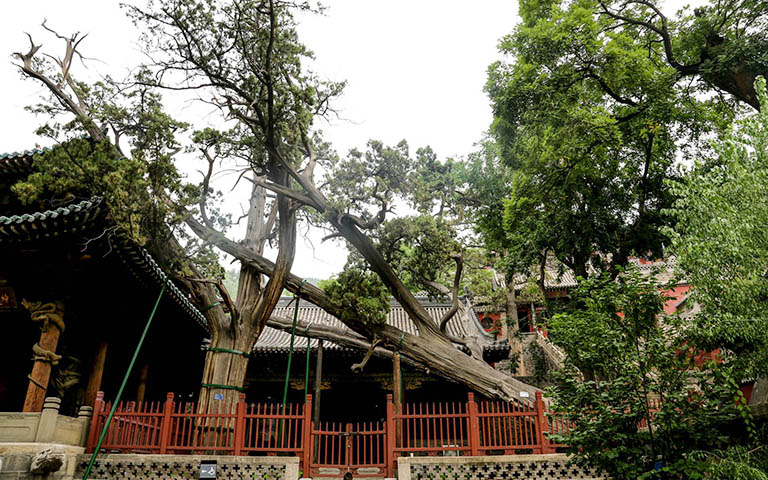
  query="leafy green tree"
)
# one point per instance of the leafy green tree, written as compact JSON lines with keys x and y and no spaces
{"x":651,"y":406}
{"x":595,"y":103}
{"x":487,"y":181}
{"x":721,"y":242}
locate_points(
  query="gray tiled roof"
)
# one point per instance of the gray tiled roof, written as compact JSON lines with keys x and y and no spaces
{"x":19,"y":162}
{"x":273,"y":340}
{"x":560,"y":277}
{"x":142,"y":266}
{"x":51,"y":223}
{"x":80,"y":216}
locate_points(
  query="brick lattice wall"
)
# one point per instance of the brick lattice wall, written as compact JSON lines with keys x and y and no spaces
{"x":542,"y":467}
{"x":174,"y":467}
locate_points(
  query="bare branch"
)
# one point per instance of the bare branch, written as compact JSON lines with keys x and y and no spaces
{"x":206,"y":186}
{"x":358,"y":367}
{"x":662,"y":32}
{"x":331,"y":236}
{"x":287,"y":191}
{"x":454,"y":294}
{"x":74,"y":105}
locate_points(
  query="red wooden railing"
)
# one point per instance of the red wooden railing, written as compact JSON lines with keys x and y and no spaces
{"x":226,"y":429}
{"x":469,"y":428}
{"x":430,"y":428}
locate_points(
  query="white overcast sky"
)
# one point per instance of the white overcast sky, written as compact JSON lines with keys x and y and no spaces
{"x":415,"y":70}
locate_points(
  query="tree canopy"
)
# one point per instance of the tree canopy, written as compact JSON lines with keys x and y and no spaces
{"x":721,"y":245}
{"x":596,"y":103}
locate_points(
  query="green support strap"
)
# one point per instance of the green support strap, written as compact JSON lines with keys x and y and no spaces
{"x":229,"y":350}
{"x":214,"y":304}
{"x":223,"y":387}
{"x":122,"y":385}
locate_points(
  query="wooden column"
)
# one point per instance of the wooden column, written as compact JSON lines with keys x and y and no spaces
{"x":97,"y":371}
{"x":142,"y":388}
{"x":397,"y":384}
{"x":318,"y":382}
{"x":51,"y":317}
{"x":397,"y":391}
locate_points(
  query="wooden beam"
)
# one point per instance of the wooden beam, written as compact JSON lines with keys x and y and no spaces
{"x":97,"y":372}
{"x":51,"y":316}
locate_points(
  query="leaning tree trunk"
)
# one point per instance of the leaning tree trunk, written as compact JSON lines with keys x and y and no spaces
{"x":433,"y":351}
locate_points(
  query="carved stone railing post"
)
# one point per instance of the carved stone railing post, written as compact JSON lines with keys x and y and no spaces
{"x":84,"y":415}
{"x":47,"y":425}
{"x":51,"y":318}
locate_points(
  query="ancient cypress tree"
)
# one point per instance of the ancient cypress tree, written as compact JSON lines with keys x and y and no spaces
{"x":244,"y":58}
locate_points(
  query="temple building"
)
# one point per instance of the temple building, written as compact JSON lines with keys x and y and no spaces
{"x":74,"y":299}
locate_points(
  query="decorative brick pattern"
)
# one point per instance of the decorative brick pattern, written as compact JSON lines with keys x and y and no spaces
{"x":539,"y":470}
{"x":175,"y":469}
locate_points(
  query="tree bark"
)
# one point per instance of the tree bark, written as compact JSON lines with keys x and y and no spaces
{"x":446,"y":362}
{"x":513,"y":325}
{"x":440,"y":357}
{"x":254,"y":304}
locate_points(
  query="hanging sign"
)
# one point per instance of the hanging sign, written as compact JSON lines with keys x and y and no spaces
{"x":218,"y":396}
{"x":208,"y":468}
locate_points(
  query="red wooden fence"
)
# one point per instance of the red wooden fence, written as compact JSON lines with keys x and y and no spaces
{"x":439,"y":428}
{"x":225,"y":429}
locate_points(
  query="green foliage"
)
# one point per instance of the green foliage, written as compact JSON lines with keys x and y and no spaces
{"x":369,"y":184}
{"x":419,"y":248}
{"x":591,"y":119}
{"x":133,"y":185}
{"x":485,"y":181}
{"x":361,"y":294}
{"x":721,"y":242}
{"x":617,"y":334}
{"x":80,"y":168}
{"x":233,"y":48}
{"x":735,"y":463}
{"x":363,"y":181}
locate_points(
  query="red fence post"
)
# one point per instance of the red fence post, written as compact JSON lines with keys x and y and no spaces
{"x":93,"y":434}
{"x":165,"y":423}
{"x":306,"y":436}
{"x":239,"y":436}
{"x":541,"y":425}
{"x":474,"y":427}
{"x":391,"y":439}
